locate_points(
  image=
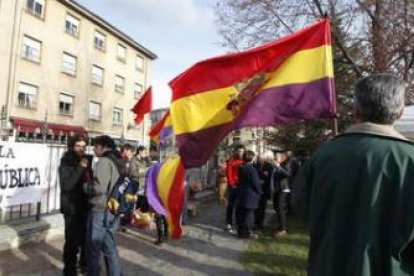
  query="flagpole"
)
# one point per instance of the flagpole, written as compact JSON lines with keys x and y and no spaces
{"x":143,"y":131}
{"x":335,"y":124}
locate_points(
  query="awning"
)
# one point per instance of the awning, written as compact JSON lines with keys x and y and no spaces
{"x":32,"y":126}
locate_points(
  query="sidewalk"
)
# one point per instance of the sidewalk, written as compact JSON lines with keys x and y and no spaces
{"x":205,"y":249}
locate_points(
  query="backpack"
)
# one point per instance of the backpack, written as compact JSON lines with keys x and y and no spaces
{"x":122,"y":198}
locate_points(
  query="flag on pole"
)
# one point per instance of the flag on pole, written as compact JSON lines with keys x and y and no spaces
{"x":165,"y":191}
{"x":143,"y":106}
{"x":162,"y":130}
{"x":280,"y":82}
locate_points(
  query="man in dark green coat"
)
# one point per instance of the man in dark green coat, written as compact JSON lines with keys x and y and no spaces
{"x":357,"y":191}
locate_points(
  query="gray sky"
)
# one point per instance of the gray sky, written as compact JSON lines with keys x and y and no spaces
{"x":179,"y":32}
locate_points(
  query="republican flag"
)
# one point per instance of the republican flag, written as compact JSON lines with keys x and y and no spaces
{"x":162,"y":130}
{"x":165,"y":191}
{"x":143,"y":106}
{"x":280,"y":82}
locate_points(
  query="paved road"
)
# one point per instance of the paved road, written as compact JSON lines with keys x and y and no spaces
{"x":205,"y":249}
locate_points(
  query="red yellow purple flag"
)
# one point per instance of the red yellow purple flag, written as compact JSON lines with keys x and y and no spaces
{"x":170,"y":188}
{"x":162,"y":130}
{"x":277,"y":83}
{"x":143,"y":106}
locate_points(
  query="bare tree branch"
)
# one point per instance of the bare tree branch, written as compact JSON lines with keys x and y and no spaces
{"x":266,"y":5}
{"x":369,"y":13}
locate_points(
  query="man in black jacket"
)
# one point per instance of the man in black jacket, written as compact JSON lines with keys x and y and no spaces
{"x":249,"y":190}
{"x":73,"y":170}
{"x":265,"y":169}
{"x":281,"y":191}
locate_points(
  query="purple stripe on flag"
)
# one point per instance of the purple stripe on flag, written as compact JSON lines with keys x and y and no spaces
{"x":164,"y":134}
{"x":152,"y":190}
{"x":196,"y":147}
{"x":273,"y":106}
{"x":289,"y":103}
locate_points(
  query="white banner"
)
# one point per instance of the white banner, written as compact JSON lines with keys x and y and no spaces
{"x":22,"y":172}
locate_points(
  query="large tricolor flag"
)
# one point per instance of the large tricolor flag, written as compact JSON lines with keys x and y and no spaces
{"x":280,"y":82}
{"x":143,"y":106}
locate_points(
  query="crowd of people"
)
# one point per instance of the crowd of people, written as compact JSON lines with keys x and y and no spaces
{"x":247,"y":182}
{"x":86,"y":183}
{"x":356,"y":192}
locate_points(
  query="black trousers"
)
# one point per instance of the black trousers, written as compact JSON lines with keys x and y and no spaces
{"x":162,"y":227}
{"x":232,"y":196}
{"x":244,"y":220}
{"x":260,"y":212}
{"x":75,"y":233}
{"x":280,"y":204}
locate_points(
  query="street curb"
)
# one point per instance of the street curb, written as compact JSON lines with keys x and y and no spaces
{"x":48,"y":228}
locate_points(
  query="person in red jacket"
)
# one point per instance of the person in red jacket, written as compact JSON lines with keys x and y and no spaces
{"x":232,"y":171}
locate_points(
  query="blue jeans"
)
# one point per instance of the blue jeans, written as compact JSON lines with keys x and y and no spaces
{"x":101,"y":230}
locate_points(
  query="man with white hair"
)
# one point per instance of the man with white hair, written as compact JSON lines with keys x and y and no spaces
{"x":358,"y":190}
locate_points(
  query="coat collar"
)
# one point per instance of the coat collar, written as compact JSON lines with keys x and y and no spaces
{"x":375,"y":129}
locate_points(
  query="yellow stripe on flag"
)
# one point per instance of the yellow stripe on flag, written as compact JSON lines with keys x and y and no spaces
{"x":302,"y":67}
{"x":207,"y":109}
{"x":167,"y":122}
{"x":166,"y":176}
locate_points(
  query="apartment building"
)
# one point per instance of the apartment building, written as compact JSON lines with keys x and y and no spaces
{"x":65,"y":70}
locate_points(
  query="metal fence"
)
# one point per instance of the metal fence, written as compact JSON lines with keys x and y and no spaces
{"x":50,"y":202}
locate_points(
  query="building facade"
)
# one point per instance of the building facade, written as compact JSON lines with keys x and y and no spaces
{"x":67,"y":71}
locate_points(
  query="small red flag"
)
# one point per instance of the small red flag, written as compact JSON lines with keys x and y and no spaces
{"x":143,"y":106}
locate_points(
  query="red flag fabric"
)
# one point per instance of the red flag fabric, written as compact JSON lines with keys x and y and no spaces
{"x":143,"y":106}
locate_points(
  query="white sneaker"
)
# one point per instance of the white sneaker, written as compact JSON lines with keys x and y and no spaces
{"x":229,"y":227}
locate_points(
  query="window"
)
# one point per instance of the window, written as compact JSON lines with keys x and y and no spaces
{"x":94,"y":111}
{"x":119,"y":84}
{"x":99,"y":41}
{"x":31,"y":49}
{"x":72,"y":25}
{"x":35,"y":7}
{"x":139,"y":63}
{"x":117,"y":116}
{"x":137,"y":91}
{"x":69,"y":64}
{"x":97,"y":75}
{"x":121,"y":53}
{"x":27,"y":95}
{"x":65,"y":104}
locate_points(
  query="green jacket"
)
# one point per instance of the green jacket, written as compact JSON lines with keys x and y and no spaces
{"x":357,"y":192}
